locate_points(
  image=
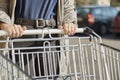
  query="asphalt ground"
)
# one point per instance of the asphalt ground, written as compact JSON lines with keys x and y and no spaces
{"x":112,"y":40}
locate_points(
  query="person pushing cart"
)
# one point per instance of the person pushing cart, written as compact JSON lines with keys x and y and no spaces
{"x":16,"y":16}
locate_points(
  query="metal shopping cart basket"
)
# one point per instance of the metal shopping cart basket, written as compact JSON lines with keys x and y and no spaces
{"x":74,"y":58}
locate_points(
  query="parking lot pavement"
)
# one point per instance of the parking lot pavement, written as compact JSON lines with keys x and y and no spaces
{"x":112,"y":40}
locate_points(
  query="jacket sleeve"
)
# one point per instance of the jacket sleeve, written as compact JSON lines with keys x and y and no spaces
{"x":4,"y":11}
{"x":4,"y":18}
{"x":69,"y":12}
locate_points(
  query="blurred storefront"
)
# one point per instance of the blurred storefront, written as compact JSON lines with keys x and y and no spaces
{"x":115,"y":3}
{"x":104,"y":2}
{"x":96,"y":2}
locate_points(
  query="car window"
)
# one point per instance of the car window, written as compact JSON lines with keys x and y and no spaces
{"x":106,"y":11}
{"x":96,"y":11}
{"x":109,"y":11}
{"x":114,"y":11}
{"x":83,"y":10}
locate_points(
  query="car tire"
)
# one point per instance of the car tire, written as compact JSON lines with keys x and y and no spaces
{"x":103,"y":30}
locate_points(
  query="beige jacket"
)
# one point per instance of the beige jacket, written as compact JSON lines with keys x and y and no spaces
{"x":66,"y":13}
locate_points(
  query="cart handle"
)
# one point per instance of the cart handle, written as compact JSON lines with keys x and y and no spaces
{"x":48,"y":31}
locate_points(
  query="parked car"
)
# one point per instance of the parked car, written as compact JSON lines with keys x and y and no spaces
{"x":99,"y":18}
{"x":116,"y":25}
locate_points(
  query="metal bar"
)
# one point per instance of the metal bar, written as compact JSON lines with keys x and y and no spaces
{"x":108,"y":46}
{"x":113,"y":58}
{"x":44,"y":31}
{"x":13,"y":66}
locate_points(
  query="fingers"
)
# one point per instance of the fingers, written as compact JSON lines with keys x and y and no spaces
{"x":13,"y":31}
{"x":17,"y":30}
{"x":69,"y":28}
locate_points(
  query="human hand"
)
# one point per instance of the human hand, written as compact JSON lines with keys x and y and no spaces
{"x":13,"y":31}
{"x":69,"y":28}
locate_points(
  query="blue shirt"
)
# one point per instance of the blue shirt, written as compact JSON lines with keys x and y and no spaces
{"x":34,"y":9}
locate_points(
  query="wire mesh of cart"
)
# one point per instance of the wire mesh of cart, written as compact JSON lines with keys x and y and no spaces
{"x":74,"y":58}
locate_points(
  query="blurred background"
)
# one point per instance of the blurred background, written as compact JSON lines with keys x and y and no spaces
{"x":103,"y":16}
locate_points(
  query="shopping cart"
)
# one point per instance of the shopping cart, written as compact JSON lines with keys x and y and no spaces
{"x":76,"y":58}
